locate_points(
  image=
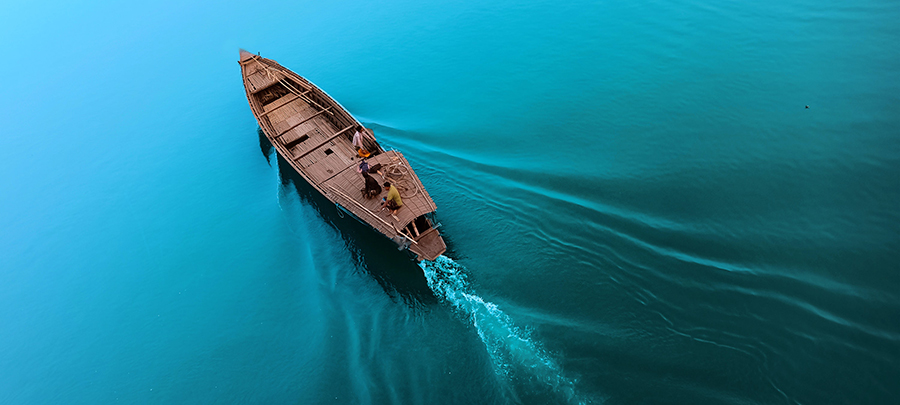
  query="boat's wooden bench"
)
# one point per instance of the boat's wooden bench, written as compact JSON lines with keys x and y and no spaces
{"x":281,"y":102}
{"x":259,"y":81}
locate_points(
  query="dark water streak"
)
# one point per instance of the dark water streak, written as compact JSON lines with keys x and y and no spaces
{"x":378,"y":256}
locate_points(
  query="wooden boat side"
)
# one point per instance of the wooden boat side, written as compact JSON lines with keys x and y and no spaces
{"x":285,"y":120}
{"x":313,"y":132}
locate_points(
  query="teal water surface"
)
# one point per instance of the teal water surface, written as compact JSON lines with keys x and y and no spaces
{"x":638,"y":204}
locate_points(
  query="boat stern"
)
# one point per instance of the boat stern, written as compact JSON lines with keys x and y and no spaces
{"x":429,"y":245}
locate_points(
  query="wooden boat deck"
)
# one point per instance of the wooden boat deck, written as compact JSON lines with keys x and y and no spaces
{"x":416,"y":200}
{"x":313,"y":132}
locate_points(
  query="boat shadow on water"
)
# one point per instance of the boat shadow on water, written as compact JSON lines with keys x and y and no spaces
{"x":395,"y":271}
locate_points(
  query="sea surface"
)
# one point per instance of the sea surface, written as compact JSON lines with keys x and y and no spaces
{"x":645,"y":202}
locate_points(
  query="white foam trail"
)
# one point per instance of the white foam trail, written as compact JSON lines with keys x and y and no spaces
{"x":512,"y":351}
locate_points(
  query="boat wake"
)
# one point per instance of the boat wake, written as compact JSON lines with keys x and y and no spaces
{"x":515,"y":356}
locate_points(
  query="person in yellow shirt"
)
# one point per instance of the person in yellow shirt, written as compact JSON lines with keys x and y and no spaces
{"x":392,"y":201}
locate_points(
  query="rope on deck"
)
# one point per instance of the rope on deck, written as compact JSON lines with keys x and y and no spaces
{"x":396,"y":171}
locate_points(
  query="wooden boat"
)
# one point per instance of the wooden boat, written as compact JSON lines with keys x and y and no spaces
{"x":315,"y":134}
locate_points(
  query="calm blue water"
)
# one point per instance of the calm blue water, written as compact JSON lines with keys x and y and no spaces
{"x":638,"y":206}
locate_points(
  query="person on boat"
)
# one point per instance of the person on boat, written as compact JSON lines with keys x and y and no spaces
{"x":358,"y":137}
{"x":372,"y":188}
{"x":392,"y":201}
{"x":364,"y":142}
{"x":364,"y":167}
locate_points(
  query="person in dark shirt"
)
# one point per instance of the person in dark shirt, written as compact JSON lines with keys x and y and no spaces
{"x":372,"y":188}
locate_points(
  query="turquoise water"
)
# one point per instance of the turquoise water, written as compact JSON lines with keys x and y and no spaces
{"x":638,"y":206}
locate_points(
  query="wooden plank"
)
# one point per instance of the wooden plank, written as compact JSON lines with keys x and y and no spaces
{"x":326,"y":141}
{"x":322,"y":164}
{"x":281,"y":105}
{"x":294,"y":142}
{"x":340,"y":172}
{"x":266,"y":86}
{"x":293,"y":98}
{"x":279,"y":118}
{"x":264,"y":80}
{"x":306,"y":87}
{"x":315,"y":136}
{"x":260,"y":81}
{"x":301,"y":122}
{"x":293,"y":114}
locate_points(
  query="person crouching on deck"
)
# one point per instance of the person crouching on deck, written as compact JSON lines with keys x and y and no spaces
{"x":372,"y":188}
{"x":392,"y":201}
